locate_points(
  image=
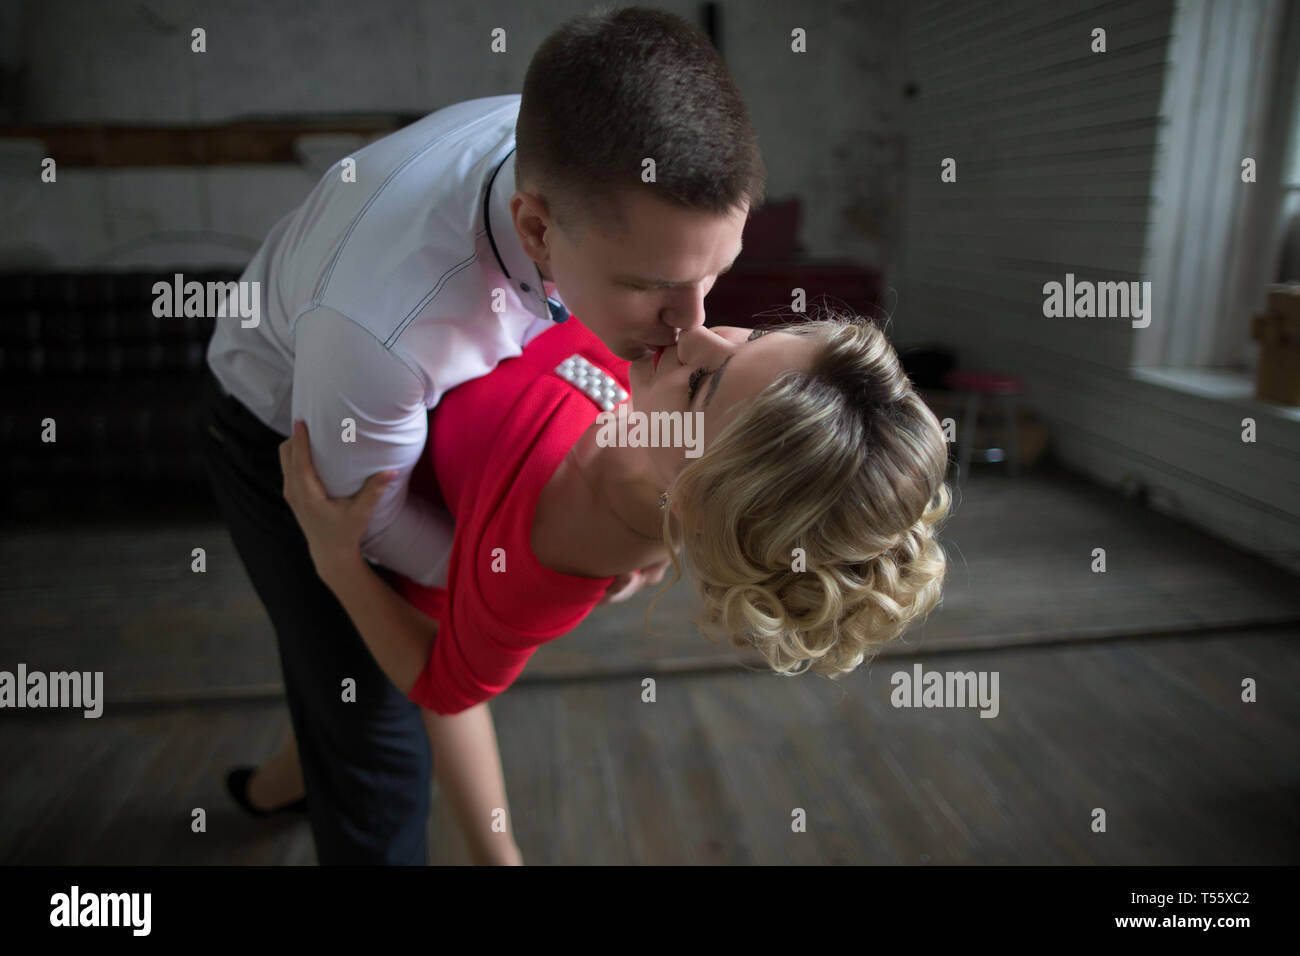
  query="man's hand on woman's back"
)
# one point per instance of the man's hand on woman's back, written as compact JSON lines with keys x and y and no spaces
{"x":626,"y":585}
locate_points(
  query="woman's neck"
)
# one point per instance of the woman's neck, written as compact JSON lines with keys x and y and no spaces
{"x":599,"y":514}
{"x":621,"y":480}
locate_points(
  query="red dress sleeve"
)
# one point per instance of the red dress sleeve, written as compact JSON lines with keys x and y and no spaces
{"x":500,"y":602}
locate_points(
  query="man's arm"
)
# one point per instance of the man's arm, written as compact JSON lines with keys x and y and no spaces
{"x":342,"y":372}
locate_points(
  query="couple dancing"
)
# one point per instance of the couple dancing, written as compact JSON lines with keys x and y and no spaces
{"x":441,"y":505}
{"x":813,"y":438}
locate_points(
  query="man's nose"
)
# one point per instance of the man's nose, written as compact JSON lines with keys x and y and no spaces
{"x":686,"y":313}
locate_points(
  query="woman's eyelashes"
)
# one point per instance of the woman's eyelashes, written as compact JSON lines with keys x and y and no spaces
{"x":693,"y":383}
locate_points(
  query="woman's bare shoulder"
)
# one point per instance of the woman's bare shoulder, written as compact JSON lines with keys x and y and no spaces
{"x":569,"y":533}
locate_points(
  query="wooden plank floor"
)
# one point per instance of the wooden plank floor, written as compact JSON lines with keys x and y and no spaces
{"x":1118,"y":690}
{"x":1153,"y":731}
{"x":120,"y":597}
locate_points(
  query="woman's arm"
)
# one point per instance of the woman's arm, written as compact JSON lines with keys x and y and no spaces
{"x":399,"y":636}
{"x":466,"y":760}
{"x":467,"y":763}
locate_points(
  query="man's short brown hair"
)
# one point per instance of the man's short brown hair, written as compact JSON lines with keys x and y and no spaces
{"x":612,"y":87}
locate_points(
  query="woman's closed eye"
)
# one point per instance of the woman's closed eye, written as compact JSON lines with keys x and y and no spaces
{"x":693,"y":383}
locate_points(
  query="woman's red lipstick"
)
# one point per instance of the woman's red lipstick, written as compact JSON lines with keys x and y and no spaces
{"x":659,"y":353}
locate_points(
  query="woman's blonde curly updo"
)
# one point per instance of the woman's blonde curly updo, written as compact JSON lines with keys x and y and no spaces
{"x":843,"y":464}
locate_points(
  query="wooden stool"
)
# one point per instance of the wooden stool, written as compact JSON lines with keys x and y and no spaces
{"x":976,"y":383}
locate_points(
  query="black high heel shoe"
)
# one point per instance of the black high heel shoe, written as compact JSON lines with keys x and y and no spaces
{"x":237,"y":783}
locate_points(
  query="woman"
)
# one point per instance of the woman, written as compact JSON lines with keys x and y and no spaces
{"x":808,"y":524}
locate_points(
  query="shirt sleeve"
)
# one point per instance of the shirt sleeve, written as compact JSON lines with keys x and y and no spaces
{"x":342,"y":372}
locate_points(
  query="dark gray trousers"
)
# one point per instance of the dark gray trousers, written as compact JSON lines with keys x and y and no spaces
{"x":366,"y":764}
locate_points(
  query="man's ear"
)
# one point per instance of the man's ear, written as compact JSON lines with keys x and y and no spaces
{"x":527,"y":210}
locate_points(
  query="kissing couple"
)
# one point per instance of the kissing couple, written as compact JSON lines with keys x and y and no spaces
{"x":405,"y":449}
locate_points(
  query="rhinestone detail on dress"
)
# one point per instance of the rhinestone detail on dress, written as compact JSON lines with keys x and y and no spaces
{"x":601,"y":387}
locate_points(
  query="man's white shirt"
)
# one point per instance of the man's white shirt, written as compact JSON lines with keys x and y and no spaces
{"x":376,"y":298}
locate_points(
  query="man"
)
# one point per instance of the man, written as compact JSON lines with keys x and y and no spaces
{"x":607,"y":188}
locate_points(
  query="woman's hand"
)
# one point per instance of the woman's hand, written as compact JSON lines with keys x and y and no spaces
{"x":333,"y":526}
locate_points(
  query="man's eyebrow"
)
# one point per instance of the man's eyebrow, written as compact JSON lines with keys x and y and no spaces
{"x":664,"y":284}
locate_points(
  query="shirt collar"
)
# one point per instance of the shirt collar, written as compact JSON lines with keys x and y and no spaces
{"x":520,"y":271}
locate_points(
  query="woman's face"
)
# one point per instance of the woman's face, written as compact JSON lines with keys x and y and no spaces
{"x":709,"y":375}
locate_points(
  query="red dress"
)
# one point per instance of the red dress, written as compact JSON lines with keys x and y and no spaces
{"x":494,"y":442}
